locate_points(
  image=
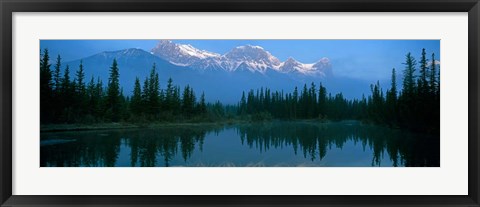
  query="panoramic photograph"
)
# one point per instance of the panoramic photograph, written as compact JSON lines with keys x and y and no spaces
{"x":239,"y":103}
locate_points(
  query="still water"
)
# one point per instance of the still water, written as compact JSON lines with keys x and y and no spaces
{"x":273,"y":144}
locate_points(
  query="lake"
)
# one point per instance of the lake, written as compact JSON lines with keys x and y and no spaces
{"x":267,"y":144}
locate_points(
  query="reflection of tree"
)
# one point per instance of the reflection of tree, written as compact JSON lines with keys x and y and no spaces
{"x":147,"y":147}
{"x":159,"y":147}
{"x":403,"y":148}
{"x":94,"y":150}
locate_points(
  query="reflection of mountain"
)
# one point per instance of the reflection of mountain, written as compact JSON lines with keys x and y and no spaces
{"x":172,"y":146}
{"x":221,"y":77}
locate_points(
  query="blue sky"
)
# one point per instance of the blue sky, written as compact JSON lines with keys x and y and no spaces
{"x":362,"y":59}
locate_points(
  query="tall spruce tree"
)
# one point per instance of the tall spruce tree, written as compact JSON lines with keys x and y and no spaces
{"x":91,"y":96}
{"x":80,"y":98}
{"x":46,"y":91}
{"x":409,"y":76}
{"x":113,"y":93}
{"x":80,"y":79}
{"x":56,"y":75}
{"x":433,"y":79}
{"x":391,"y":102}
{"x":153,"y":92}
{"x":242,"y":105}
{"x":322,"y":101}
{"x":65,"y":97}
{"x":99,"y":93}
{"x":136,"y":101}
{"x":169,"y":99}
{"x":188,"y":101}
{"x":202,"y":106}
{"x":423,"y":83}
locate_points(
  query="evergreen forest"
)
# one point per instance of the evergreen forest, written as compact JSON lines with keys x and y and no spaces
{"x":68,"y":97}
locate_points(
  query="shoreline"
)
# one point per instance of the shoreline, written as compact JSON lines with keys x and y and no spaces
{"x":111,"y":126}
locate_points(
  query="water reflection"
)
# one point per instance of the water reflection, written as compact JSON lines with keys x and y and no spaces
{"x":268,"y":144}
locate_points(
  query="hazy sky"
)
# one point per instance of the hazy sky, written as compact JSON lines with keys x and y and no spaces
{"x":362,"y":59}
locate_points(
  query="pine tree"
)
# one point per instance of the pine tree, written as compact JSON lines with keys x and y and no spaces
{"x":99,"y":93}
{"x":188,"y":101}
{"x":113,"y":93}
{"x":65,"y":85}
{"x":433,"y":80}
{"x":312,"y":105}
{"x":423,"y":83}
{"x":46,"y":91}
{"x":169,"y":99}
{"x":80,"y":79}
{"x":80,"y":98}
{"x":153,"y":92}
{"x":136,"y":101}
{"x":176,"y":100}
{"x":56,"y":75}
{"x":391,"y":102}
{"x":295,"y":103}
{"x":322,"y":100}
{"x":146,"y":94}
{"x":203,"y":106}
{"x":67,"y":91}
{"x":91,"y":96}
{"x":304,"y":101}
{"x":376,"y":112}
{"x":408,"y":107}
{"x":409,"y":76}
{"x":250,"y":102}
{"x":393,"y":87}
{"x":243,"y":104}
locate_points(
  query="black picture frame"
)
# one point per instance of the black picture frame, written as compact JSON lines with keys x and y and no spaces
{"x":7,"y":7}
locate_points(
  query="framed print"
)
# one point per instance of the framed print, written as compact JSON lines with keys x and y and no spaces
{"x":199,"y":103}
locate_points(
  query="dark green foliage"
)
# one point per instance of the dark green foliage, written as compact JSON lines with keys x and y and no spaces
{"x":267,"y":104}
{"x":75,"y":101}
{"x":434,"y":81}
{"x":202,"y":106}
{"x":80,"y":96}
{"x":415,"y":107}
{"x":376,"y":112}
{"x":113,"y":93}
{"x":409,"y":76}
{"x":391,"y":103}
{"x":46,"y":89}
{"x":56,"y":75}
{"x":80,"y":80}
{"x":136,"y":101}
{"x":188,"y":102}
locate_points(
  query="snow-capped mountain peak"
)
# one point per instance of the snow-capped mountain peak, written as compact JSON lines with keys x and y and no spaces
{"x":246,"y":57}
{"x":180,"y":54}
{"x":253,"y":58}
{"x":202,"y":54}
{"x":252,"y":53}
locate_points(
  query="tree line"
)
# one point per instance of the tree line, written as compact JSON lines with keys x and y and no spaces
{"x":67,"y":100}
{"x":416,"y":106}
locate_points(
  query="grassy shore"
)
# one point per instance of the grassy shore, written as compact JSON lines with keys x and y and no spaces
{"x":83,"y":127}
{"x":106,"y":126}
{"x":192,"y":123}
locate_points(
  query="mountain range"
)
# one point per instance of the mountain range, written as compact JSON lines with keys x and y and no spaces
{"x":221,"y":76}
{"x":248,"y":57}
